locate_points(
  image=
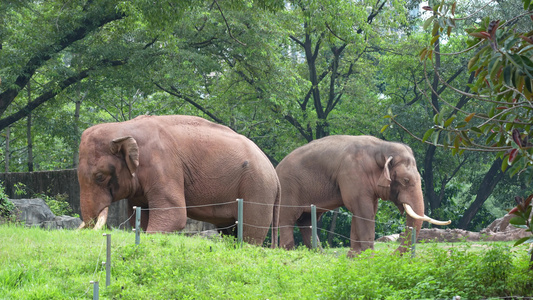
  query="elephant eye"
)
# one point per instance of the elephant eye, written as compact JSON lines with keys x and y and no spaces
{"x":405,"y":181}
{"x":99,"y":177}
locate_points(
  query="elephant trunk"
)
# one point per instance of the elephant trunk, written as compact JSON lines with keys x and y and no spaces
{"x":94,"y":213}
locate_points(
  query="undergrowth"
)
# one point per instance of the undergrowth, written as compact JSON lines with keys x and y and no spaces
{"x":40,"y":264}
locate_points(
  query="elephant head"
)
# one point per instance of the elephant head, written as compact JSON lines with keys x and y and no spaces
{"x":106,"y":173}
{"x":400,"y":183}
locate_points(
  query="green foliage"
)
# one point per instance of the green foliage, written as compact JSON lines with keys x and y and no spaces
{"x":58,"y":204}
{"x":388,"y":221}
{"x":60,"y":264}
{"x":6,"y":207}
{"x":522,"y":219}
{"x":503,"y":80}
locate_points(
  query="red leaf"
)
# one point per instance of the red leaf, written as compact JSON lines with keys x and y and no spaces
{"x":481,"y":35}
{"x":427,"y":8}
{"x":513,"y":154}
{"x":516,"y":138}
{"x":528,"y":200}
{"x":501,"y":107}
{"x":527,"y":39}
{"x":512,"y":211}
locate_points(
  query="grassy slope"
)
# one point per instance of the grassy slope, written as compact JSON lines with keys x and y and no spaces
{"x":39,"y":264}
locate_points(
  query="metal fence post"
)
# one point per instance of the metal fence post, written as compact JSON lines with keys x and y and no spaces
{"x":240,"y":222}
{"x":314,"y":236}
{"x":137,"y":225}
{"x":108,"y":261}
{"x":95,"y":290}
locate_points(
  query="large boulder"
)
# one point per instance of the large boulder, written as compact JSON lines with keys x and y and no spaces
{"x":35,"y":213}
{"x":498,"y":231}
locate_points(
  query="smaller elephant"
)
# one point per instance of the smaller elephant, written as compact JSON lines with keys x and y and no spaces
{"x":176,"y":167}
{"x":350,"y":171}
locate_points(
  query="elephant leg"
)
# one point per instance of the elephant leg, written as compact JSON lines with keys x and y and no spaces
{"x":288,"y":218}
{"x":166,"y":220}
{"x":362,"y":236}
{"x":167,"y":211}
{"x":286,"y":235}
{"x":257,"y":221}
{"x":363,"y":226}
{"x":305,"y":225}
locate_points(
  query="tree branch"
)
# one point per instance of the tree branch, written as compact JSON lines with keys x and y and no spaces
{"x":41,"y":56}
{"x":175,"y":92}
{"x":227,"y":25}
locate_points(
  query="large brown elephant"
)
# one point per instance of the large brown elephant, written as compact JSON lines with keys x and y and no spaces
{"x":168,"y":163}
{"x":350,"y":171}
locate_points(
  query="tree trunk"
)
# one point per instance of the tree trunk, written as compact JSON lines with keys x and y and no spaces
{"x":28,"y":133}
{"x":491,"y":178}
{"x":6,"y":160}
{"x":75,"y":156}
{"x":430,"y":195}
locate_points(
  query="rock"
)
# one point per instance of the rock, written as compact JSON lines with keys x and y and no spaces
{"x":62,"y":222}
{"x":501,"y":230}
{"x":389,"y":238}
{"x":498,"y":231}
{"x":193,"y":226}
{"x":447,"y":235}
{"x":35,"y":213}
{"x":32,"y":211}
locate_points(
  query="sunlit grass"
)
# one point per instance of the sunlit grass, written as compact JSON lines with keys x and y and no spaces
{"x":40,"y":264}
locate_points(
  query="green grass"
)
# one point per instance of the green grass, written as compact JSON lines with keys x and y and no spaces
{"x":40,"y":264}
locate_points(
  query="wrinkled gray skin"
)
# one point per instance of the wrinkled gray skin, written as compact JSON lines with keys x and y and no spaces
{"x":350,"y":171}
{"x":161,"y":162}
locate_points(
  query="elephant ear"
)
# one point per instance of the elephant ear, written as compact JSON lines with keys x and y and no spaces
{"x":127,"y":146}
{"x":385,"y":180}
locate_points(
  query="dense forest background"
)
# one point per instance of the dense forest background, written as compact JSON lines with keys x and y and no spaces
{"x":282,"y":73}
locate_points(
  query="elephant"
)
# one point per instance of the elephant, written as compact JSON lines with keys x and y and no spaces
{"x":350,"y":171}
{"x":175,"y":167}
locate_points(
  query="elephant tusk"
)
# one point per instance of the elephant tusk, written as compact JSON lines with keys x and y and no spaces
{"x":409,"y":210}
{"x":102,"y":219}
{"x":82,"y":225}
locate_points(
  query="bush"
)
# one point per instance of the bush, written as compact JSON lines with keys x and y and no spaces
{"x":58,"y":204}
{"x":6,"y":207}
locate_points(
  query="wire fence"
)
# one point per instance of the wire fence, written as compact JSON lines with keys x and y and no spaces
{"x":125,"y":240}
{"x":323,"y":211}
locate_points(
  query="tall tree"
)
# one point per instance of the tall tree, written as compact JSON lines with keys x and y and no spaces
{"x":337,"y":42}
{"x":458,"y":134}
{"x":84,"y":45}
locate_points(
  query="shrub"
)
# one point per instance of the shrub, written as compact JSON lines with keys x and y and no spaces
{"x":6,"y":207}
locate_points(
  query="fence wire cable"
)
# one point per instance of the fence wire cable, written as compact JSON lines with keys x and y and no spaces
{"x":318,"y":228}
{"x":325,"y":211}
{"x":127,"y":220}
{"x":263,"y":204}
{"x":190,"y":232}
{"x":96,"y":268}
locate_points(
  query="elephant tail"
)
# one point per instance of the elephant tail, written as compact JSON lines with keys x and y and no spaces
{"x":275,"y":217}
